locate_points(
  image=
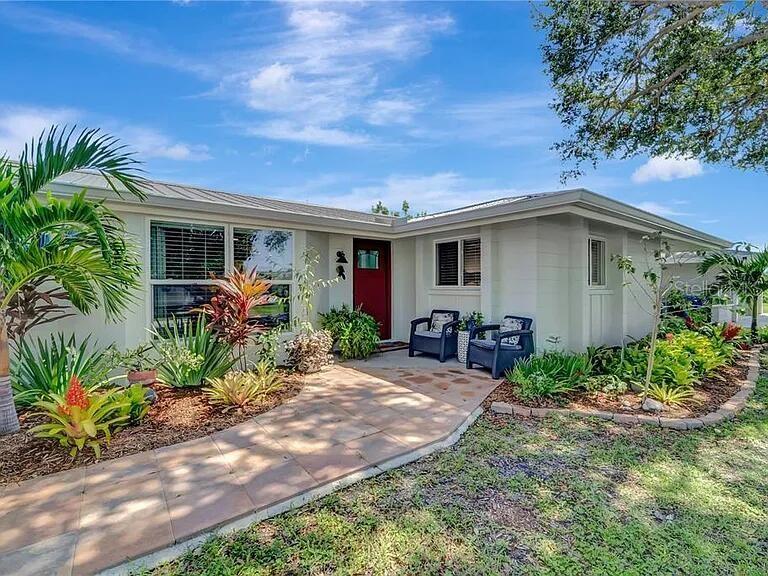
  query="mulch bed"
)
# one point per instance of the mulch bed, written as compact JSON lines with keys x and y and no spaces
{"x":179,"y":414}
{"x":709,"y":394}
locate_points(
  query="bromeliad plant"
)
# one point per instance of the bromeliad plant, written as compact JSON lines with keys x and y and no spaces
{"x":79,"y":419}
{"x":55,"y":253}
{"x":239,"y":389}
{"x":229,"y":312}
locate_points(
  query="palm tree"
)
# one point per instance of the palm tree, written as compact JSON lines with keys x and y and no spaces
{"x":746,"y":274}
{"x":76,"y":246}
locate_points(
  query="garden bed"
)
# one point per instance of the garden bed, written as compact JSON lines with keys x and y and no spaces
{"x":179,"y":414}
{"x":710,"y":393}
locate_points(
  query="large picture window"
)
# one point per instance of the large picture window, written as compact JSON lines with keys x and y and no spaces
{"x":184,"y":257}
{"x":270,"y":253}
{"x":457,"y":263}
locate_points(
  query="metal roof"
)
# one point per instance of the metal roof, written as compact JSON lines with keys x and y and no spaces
{"x":82,"y":179}
{"x":184,"y":197}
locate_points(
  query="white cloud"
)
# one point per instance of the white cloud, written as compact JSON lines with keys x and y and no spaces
{"x":286,"y":130}
{"x":325,"y":71}
{"x":667,"y":168}
{"x":431,"y":192}
{"x":20,"y":124}
{"x":661,"y":209}
{"x":150,"y":143}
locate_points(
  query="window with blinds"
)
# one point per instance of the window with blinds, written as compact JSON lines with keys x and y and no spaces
{"x":596,"y":262}
{"x":458,"y":263}
{"x":471,"y":262}
{"x":186,"y":251}
{"x":269,"y":252}
{"x":448,"y":264}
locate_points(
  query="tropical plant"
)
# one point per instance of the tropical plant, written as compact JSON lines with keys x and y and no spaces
{"x":730,"y":331}
{"x":229,"y":312}
{"x":242,"y":388}
{"x":670,"y":394}
{"x":55,"y":253}
{"x":269,"y":345}
{"x":355,"y":332}
{"x":669,"y":79}
{"x":600,"y":359}
{"x":607,"y":383}
{"x":47,"y":367}
{"x":470,"y":320}
{"x":309,"y":350}
{"x":192,"y":354}
{"x":79,"y":419}
{"x":137,"y":359}
{"x":573,"y":368}
{"x":536,"y":386}
{"x":744,"y":273}
{"x":133,"y":403}
{"x":671,"y":325}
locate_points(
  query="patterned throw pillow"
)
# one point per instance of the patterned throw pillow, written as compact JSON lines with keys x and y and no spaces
{"x":509,"y":324}
{"x":439,"y":319}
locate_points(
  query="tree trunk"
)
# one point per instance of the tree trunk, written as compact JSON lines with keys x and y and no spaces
{"x":753,"y":327}
{"x":9,"y":420}
{"x":654,"y":336}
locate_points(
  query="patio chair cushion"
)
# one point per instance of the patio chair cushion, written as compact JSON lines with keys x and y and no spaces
{"x":438,"y":320}
{"x":509,"y":324}
{"x":427,"y":334}
{"x":491,"y":344}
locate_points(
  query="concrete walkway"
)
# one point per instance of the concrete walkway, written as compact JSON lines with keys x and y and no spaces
{"x":343,"y":423}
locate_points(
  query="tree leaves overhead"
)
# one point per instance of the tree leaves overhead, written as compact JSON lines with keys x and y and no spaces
{"x":683,"y":79}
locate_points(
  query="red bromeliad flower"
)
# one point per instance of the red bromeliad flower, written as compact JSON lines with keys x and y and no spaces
{"x":730,"y":331}
{"x":76,"y":395}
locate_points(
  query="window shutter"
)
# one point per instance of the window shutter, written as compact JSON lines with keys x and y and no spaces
{"x":596,"y":262}
{"x":471,"y":262}
{"x":448,"y":264}
{"x":186,"y":251}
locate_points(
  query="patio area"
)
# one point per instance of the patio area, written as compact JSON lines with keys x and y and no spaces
{"x":349,"y":422}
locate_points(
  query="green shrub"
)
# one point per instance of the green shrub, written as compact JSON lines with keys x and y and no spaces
{"x":47,"y":366}
{"x":242,"y":388}
{"x":548,"y":375}
{"x":191,"y":355}
{"x":355,"y":332}
{"x":133,"y":402}
{"x":600,"y":359}
{"x":671,"y":325}
{"x":607,"y":383}
{"x":538,"y":385}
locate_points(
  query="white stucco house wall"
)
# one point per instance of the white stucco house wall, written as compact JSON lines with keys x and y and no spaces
{"x":545,"y":256}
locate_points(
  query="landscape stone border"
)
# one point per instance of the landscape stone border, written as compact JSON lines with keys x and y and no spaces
{"x":727,"y":411}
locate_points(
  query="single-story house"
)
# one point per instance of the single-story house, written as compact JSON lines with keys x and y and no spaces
{"x":545,"y":256}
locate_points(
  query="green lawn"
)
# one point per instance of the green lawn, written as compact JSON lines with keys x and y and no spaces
{"x":561,"y":496}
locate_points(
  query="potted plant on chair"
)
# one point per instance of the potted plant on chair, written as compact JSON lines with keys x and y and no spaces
{"x":466,"y":323}
{"x":141,"y":368}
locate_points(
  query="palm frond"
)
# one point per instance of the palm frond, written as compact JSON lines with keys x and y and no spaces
{"x":55,"y":153}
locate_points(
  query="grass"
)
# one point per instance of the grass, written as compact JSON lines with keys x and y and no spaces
{"x":557,"y":496}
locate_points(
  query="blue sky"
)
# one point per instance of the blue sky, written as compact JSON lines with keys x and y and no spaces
{"x":341,"y":104}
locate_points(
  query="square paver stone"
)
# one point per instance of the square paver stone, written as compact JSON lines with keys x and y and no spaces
{"x":332,"y":463}
{"x":378,"y":447}
{"x":256,"y":458}
{"x":103,"y":547}
{"x":243,"y":435}
{"x":276,"y":484}
{"x":128,"y":503}
{"x":208,"y":506}
{"x":30,"y":524}
{"x":50,"y":557}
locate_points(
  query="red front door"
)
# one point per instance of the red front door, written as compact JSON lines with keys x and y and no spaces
{"x":371,"y":281}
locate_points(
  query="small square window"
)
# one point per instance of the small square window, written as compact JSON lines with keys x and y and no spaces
{"x":368,"y":259}
{"x":596,"y":262}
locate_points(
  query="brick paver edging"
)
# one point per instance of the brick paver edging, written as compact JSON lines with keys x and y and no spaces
{"x":171,"y":553}
{"x":727,"y":411}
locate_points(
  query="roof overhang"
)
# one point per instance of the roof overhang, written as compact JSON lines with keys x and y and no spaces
{"x":579,"y":202}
